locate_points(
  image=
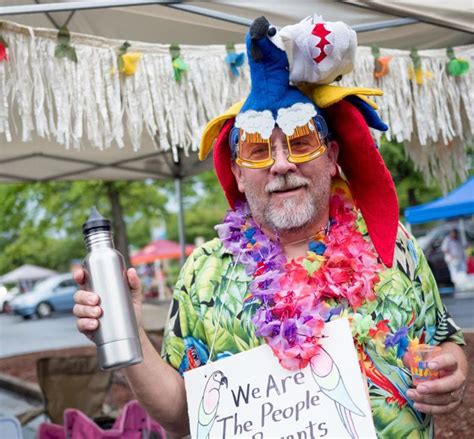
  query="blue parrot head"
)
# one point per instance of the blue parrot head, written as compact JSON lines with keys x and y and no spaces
{"x":269,"y":71}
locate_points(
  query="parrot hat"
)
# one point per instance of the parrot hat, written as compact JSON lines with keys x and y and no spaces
{"x":291,"y":72}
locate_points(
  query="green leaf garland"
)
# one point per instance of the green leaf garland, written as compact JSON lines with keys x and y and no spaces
{"x":179,"y":65}
{"x":456,"y":66}
{"x":64,"y":48}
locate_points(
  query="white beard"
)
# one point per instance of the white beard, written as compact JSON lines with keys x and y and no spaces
{"x":291,"y":215}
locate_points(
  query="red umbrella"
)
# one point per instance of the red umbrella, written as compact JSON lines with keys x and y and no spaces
{"x":158,"y":250}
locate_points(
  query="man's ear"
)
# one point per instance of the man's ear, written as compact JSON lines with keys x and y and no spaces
{"x":237,"y":171}
{"x":333,"y":152}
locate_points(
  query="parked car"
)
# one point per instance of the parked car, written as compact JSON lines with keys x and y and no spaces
{"x":431,"y":246}
{"x":52,"y":294}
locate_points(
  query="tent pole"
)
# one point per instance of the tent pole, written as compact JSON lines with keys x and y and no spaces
{"x":179,"y":197}
{"x":385,"y":24}
{"x":77,"y":6}
{"x":378,"y":25}
{"x":235,"y":19}
{"x":462,"y":231}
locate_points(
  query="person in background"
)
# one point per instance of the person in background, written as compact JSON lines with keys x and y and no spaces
{"x":454,"y":254}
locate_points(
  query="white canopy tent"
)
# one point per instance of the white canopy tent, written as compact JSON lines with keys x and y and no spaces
{"x":26,"y":272}
{"x":34,"y":153}
{"x":154,"y":137}
{"x":427,"y":24}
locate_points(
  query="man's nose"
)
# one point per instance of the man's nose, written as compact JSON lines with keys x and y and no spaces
{"x":281,"y":165}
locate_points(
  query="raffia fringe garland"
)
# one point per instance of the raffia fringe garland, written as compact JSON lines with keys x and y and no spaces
{"x":89,"y":101}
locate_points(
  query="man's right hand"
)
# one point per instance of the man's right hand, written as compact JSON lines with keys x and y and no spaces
{"x":87,"y":304}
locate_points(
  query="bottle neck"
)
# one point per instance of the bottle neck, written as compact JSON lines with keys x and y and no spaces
{"x":99,"y":238}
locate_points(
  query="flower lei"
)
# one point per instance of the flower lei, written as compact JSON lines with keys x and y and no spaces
{"x":292,"y":295}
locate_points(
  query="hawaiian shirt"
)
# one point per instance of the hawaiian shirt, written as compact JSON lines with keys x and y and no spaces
{"x":210,"y":317}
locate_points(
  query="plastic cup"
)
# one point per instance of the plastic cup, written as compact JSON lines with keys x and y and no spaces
{"x":419,"y":357}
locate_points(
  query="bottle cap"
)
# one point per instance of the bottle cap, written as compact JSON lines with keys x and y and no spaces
{"x":95,"y":221}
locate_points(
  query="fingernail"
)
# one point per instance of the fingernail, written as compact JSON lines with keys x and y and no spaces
{"x":422,"y":389}
{"x":433,"y":365}
{"x":411,"y":393}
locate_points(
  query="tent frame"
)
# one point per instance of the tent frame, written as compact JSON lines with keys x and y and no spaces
{"x":181,"y":5}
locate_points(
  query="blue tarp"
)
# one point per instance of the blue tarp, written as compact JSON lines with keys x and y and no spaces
{"x":459,"y":202}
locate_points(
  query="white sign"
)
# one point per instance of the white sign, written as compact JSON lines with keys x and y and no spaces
{"x":250,"y":395}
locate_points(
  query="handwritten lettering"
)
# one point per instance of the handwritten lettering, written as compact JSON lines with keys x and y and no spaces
{"x":270,"y":413}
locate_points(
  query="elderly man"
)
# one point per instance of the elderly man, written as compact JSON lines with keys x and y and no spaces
{"x":312,"y":235}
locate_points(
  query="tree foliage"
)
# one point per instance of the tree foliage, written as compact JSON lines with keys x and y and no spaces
{"x":411,"y":188}
{"x":41,"y":222}
{"x":205,"y":206}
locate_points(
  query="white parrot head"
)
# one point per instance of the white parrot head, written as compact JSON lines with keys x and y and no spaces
{"x":318,"y":51}
{"x":216,"y":380}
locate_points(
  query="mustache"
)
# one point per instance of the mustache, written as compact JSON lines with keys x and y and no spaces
{"x":286,"y":182}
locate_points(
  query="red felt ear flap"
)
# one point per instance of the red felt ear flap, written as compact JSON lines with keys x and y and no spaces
{"x":222,"y":164}
{"x":371,"y":183}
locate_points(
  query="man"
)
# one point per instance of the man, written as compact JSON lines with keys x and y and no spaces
{"x":454,"y":255}
{"x":302,"y":245}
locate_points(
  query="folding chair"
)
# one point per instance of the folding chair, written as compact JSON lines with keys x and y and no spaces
{"x":70,"y":382}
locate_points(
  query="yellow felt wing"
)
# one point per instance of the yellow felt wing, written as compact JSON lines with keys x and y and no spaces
{"x":327,"y":95}
{"x":214,"y":126}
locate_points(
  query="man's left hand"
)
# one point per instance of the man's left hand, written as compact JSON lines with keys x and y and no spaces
{"x":445,"y":394}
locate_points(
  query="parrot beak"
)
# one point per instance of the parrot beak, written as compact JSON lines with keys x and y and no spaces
{"x":224,"y":381}
{"x":258,"y":30}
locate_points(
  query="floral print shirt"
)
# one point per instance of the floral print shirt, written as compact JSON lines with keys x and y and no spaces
{"x":211,"y":318}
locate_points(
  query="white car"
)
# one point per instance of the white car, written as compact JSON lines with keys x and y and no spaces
{"x":6,"y":296}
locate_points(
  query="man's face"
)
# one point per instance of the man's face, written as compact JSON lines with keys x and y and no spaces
{"x":288,"y":196}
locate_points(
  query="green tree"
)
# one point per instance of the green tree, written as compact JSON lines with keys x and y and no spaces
{"x":41,"y":222}
{"x":205,"y":206}
{"x":410,"y":185}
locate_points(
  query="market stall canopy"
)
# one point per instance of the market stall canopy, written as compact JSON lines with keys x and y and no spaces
{"x":458,"y":203}
{"x":26,"y":272}
{"x":434,"y":24}
{"x":61,"y":120}
{"x":158,"y":250}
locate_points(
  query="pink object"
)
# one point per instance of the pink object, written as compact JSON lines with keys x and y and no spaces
{"x":158,"y":250}
{"x":133,"y":423}
{"x":470,"y":265}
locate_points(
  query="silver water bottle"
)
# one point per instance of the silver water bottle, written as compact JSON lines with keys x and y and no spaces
{"x":117,"y":339}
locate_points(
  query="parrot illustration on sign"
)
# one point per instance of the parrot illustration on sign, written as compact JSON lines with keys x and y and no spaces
{"x":209,"y":404}
{"x":328,"y":377}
